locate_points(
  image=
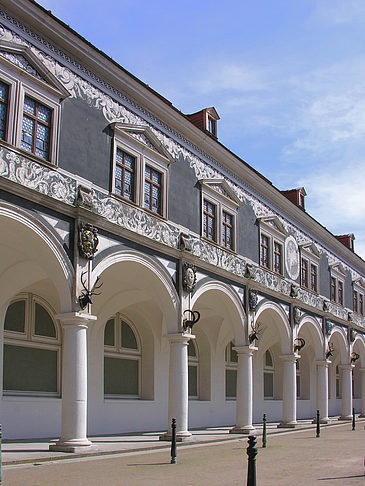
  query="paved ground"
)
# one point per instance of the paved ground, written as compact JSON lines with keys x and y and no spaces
{"x":291,"y":459}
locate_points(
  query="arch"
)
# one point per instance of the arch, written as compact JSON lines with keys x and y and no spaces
{"x":128,"y":278}
{"x":358,"y":346}
{"x":31,"y":252}
{"x":219,"y":299}
{"x":338,"y":336}
{"x":310,"y":328}
{"x":279,"y":320}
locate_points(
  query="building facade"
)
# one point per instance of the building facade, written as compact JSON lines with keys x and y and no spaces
{"x":146,"y":271}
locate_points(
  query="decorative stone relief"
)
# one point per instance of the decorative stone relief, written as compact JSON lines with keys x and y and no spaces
{"x":185,"y":243}
{"x":297,"y":314}
{"x":84,"y":197}
{"x":292,"y":257}
{"x":189,"y":277}
{"x":351,"y":333}
{"x":21,"y":62}
{"x":252,"y":299}
{"x":294,"y":291}
{"x":88,"y":240}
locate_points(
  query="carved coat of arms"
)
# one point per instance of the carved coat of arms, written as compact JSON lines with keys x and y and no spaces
{"x":189,"y":277}
{"x":88,"y":240}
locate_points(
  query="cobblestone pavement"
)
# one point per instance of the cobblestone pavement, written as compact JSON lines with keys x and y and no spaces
{"x":293,"y":458}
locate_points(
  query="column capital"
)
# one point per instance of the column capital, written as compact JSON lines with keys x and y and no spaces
{"x":249,"y":350}
{"x":179,"y":338}
{"x":75,"y":319}
{"x":346,"y":367}
{"x":291,"y":358}
{"x":325,"y":362}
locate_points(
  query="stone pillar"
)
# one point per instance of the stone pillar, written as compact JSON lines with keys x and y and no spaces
{"x":362,"y":371}
{"x":244,"y":399}
{"x":346,"y":391}
{"x":322,"y":390}
{"x":178,"y":386}
{"x":289,"y":391}
{"x":74,"y":383}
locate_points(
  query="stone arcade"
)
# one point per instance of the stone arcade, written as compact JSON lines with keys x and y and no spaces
{"x":122,"y":220}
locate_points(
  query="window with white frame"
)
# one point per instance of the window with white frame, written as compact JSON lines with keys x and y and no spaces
{"x":29,"y":103}
{"x":268,"y":375}
{"x":272,"y":242}
{"x":337,"y":284}
{"x":358,"y":293}
{"x":309,"y":267}
{"x":219,"y":213}
{"x":32,"y":348}
{"x":231,"y":360}
{"x":140,"y":168}
{"x":338,"y":382}
{"x":122,"y":359}
{"x":299,"y":379}
{"x":193,"y":369}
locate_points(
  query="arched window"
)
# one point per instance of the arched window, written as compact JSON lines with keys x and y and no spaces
{"x":268,"y":376}
{"x":231,"y":358}
{"x":122,"y":359}
{"x":32,"y":345}
{"x":193,"y":369}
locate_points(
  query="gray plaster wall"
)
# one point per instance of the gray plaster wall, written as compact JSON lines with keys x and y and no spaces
{"x":348,"y":302}
{"x":85,"y":142}
{"x":248,"y":233}
{"x":184,"y":196}
{"x":324,"y":277}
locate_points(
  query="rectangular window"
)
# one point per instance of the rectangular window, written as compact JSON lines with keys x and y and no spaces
{"x":361,"y":304}
{"x":305,"y":273}
{"x":227,"y":230}
{"x":265,"y":246}
{"x":4,"y":97}
{"x":36,"y":128}
{"x":193,"y":381}
{"x":313,"y":278}
{"x":125,"y":175}
{"x":278,"y":257}
{"x":153,"y":190}
{"x":231,"y":383}
{"x":355,"y":301}
{"x":209,"y":220}
{"x":121,"y":376}
{"x":268,"y":385}
{"x":340,"y":292}
{"x":333,"y":289}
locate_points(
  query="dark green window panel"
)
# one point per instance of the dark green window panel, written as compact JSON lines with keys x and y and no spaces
{"x":193,"y":381}
{"x":120,"y":376}
{"x":128,"y":338}
{"x":43,"y":325}
{"x":109,"y":333}
{"x":268,"y":385}
{"x":15,"y":317}
{"x":191,"y":349}
{"x":30,"y":369}
{"x":231,"y":383}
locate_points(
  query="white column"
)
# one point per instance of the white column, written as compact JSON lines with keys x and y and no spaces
{"x":244,"y":399}
{"x":362,"y":371}
{"x":289,"y":390}
{"x":178,"y":386}
{"x":74,"y":383}
{"x":322,"y":390}
{"x":346,"y":391}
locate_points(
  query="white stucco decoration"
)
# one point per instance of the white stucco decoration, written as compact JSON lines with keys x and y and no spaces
{"x":292,"y":257}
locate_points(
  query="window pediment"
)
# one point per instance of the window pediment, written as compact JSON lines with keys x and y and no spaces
{"x":22,"y":57}
{"x":338,"y":269}
{"x":274,"y":223}
{"x":144,"y":136}
{"x":221,"y":188}
{"x":359,"y":283}
{"x":311,"y":249}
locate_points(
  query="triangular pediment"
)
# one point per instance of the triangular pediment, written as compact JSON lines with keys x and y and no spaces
{"x":221,"y":187}
{"x":273,"y":222}
{"x":338,"y":268}
{"x":23,"y":58}
{"x":144,"y":135}
{"x":311,"y":248}
{"x":359,"y":282}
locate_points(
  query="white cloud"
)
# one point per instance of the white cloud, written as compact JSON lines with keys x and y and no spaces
{"x":340,"y":11}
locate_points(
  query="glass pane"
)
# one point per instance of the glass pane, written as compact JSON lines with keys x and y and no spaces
{"x":43,"y":325}
{"x":109,"y":333}
{"x":29,"y":106}
{"x":268,"y":385}
{"x":234,"y":355}
{"x":193,"y":381}
{"x":30,"y":369}
{"x":15,"y":317}
{"x":298,"y":386}
{"x":128,"y":338}
{"x":231,"y":383}
{"x":191,"y":349}
{"x":268,"y":359}
{"x":120,"y":376}
{"x":44,"y":113}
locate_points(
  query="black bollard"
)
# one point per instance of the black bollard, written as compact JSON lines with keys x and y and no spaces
{"x":318,"y":427}
{"x":173,"y":441}
{"x":252,"y":453}
{"x":264,"y":438}
{"x":353,"y":419}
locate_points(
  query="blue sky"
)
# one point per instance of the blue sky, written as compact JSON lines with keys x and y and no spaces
{"x":286,"y":77}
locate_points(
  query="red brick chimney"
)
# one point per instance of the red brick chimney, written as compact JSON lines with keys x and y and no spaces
{"x":296,"y":196}
{"x":347,"y":240}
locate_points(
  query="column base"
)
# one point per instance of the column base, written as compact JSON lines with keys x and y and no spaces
{"x":287,"y":425}
{"x":77,"y":445}
{"x":362,"y":415}
{"x":247,"y":430}
{"x":345,"y":417}
{"x":180,"y":437}
{"x":324,"y":420}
